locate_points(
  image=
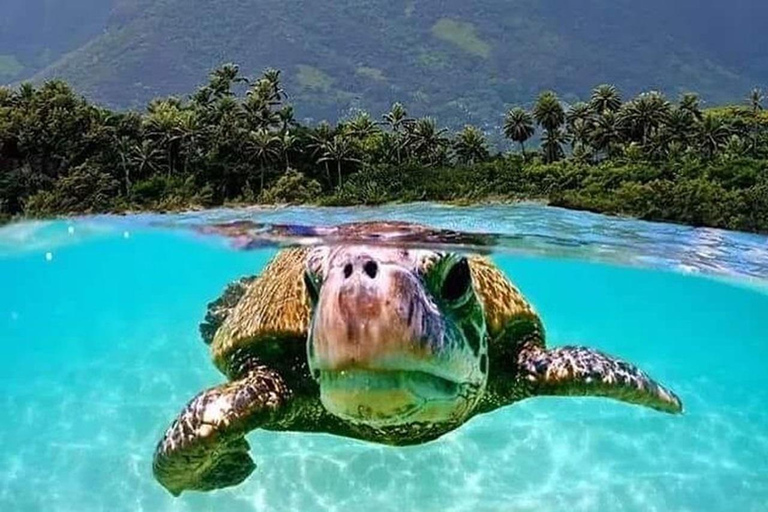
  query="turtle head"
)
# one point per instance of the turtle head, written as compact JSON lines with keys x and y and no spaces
{"x":397,"y":335}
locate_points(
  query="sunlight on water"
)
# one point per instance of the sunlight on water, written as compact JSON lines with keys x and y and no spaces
{"x":101,"y":350}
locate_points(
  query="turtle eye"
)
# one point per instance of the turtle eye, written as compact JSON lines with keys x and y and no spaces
{"x":457,"y":282}
{"x":311,"y":286}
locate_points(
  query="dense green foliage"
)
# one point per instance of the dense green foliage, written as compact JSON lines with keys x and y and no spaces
{"x":236,"y":140}
{"x":461,"y":62}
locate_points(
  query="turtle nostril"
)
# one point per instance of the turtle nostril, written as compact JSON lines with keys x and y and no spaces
{"x":371,"y":268}
{"x":347,"y":270}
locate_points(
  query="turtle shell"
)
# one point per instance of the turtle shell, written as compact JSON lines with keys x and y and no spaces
{"x":274,"y":308}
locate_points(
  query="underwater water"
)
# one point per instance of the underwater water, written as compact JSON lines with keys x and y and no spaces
{"x":99,"y":331}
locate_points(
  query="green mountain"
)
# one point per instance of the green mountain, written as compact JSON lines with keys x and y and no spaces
{"x":36,"y":33}
{"x":460,"y":61}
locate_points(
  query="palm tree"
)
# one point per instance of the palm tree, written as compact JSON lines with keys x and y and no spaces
{"x":190,"y":132}
{"x":259,"y":113}
{"x":641,"y":117}
{"x":145,"y":157}
{"x":579,"y":111}
{"x":202,"y":98}
{"x":264,"y":147}
{"x":680,"y":125}
{"x":286,"y":142}
{"x":713,"y":134}
{"x":548,"y":111}
{"x":362,"y":126}
{"x":26,"y":92}
{"x":321,"y":136}
{"x":163,"y":123}
{"x":605,"y":98}
{"x":550,"y":115}
{"x":425,"y":140}
{"x":222,"y":79}
{"x":261,"y":102}
{"x":339,"y":149}
{"x":225,"y":117}
{"x":285,"y":118}
{"x":397,"y":117}
{"x":470,"y":146}
{"x":579,"y":132}
{"x":579,"y":121}
{"x":690,"y":103}
{"x":755,"y":99}
{"x":124,"y":148}
{"x":518,"y":126}
{"x":272,"y":78}
{"x":583,"y":154}
{"x":552,"y":144}
{"x":606,"y":133}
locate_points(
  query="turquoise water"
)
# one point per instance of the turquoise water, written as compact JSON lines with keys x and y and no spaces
{"x":98,"y":325}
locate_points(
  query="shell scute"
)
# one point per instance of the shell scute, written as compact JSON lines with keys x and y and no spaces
{"x":274,"y":305}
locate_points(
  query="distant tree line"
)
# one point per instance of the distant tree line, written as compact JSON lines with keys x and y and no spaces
{"x":236,"y":140}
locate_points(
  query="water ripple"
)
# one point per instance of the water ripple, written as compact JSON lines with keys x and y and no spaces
{"x":527,"y":229}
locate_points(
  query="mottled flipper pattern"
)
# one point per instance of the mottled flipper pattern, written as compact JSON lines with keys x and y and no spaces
{"x":578,"y":371}
{"x":204,"y":448}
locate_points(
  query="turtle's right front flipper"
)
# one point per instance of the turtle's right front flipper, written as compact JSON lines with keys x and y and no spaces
{"x":205,"y":448}
{"x":581,"y":371}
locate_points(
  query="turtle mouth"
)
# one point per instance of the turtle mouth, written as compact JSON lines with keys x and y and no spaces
{"x":420,"y":382}
{"x":387,"y":397}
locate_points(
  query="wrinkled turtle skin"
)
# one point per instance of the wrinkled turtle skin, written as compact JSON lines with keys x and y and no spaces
{"x":378,"y":342}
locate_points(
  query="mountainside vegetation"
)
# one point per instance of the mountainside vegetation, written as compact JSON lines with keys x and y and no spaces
{"x":237,"y":140}
{"x":460,"y":62}
{"x":37,"y":33}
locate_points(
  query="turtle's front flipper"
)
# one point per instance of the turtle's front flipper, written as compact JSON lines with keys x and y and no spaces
{"x":219,"y":309}
{"x":579,"y":371}
{"x":204,"y":448}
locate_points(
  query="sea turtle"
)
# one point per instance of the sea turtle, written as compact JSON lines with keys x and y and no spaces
{"x":385,"y":343}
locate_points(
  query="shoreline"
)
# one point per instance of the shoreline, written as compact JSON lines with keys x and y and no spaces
{"x":246,"y":206}
{"x":707,"y":168}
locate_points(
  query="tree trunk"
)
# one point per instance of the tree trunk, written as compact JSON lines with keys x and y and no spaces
{"x":522,"y":148}
{"x":170,"y":158}
{"x":755,"y":132}
{"x":338,"y":169}
{"x":126,"y":175}
{"x":328,"y":173}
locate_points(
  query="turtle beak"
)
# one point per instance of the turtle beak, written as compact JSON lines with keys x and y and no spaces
{"x":373,"y":316}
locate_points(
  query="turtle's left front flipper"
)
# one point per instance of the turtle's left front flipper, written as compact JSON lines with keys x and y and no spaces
{"x":205,"y":448}
{"x":578,"y":371}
